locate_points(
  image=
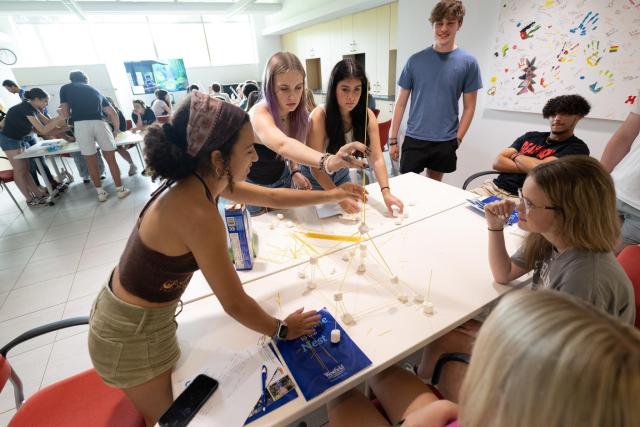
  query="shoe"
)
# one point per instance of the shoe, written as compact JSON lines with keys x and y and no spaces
{"x":133,"y":169}
{"x":102,"y":196}
{"x":103,"y":177}
{"x":86,"y":180}
{"x":38,"y":202}
{"x":123,"y":192}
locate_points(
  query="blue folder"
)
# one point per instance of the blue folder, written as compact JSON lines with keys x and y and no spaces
{"x":316,"y":363}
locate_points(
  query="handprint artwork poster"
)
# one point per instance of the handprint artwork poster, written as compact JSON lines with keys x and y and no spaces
{"x":546,"y":48}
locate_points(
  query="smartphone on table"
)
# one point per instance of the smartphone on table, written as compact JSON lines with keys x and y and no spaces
{"x":186,"y":406}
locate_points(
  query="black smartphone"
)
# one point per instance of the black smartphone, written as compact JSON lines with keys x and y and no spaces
{"x":185,"y":407}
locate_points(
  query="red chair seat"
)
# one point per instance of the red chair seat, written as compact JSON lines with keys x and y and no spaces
{"x":6,"y":176}
{"x":80,"y":400}
{"x":629,"y":258}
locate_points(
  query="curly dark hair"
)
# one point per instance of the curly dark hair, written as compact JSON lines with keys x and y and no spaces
{"x":566,"y":104}
{"x":165,"y":149}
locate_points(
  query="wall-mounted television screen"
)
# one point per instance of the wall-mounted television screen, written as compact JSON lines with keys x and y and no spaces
{"x":150,"y":75}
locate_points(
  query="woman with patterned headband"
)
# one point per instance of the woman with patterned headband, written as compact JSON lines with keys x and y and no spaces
{"x":205,"y":152}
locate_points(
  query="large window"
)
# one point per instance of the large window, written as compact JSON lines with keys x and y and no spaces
{"x":199,"y":40}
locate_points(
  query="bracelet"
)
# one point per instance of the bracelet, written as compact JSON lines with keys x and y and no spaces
{"x":391,"y":144}
{"x":495,"y":229}
{"x":324,"y":164}
{"x":295,"y":171}
{"x":384,"y":188}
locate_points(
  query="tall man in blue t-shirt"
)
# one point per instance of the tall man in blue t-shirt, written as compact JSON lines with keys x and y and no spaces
{"x":435,"y":78}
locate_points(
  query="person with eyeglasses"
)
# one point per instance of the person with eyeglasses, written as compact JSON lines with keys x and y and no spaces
{"x":568,"y":208}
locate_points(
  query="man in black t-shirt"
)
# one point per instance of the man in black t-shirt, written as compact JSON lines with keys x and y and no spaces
{"x":87,"y":106}
{"x":533,"y":148}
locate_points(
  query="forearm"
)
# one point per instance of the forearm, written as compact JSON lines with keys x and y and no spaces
{"x":284,"y":198}
{"x":323,"y":179}
{"x":380,"y":169}
{"x":506,"y":165}
{"x":465,"y":121}
{"x":398,"y":113}
{"x":615,"y":151}
{"x":526,"y":163}
{"x":249,"y":313}
{"x":294,"y":150}
{"x":499,"y":260}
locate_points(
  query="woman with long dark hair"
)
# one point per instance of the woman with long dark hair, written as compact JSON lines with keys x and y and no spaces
{"x":342,"y":119}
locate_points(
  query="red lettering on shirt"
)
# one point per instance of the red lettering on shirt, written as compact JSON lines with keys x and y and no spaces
{"x":630,"y":100}
{"x":532,"y":149}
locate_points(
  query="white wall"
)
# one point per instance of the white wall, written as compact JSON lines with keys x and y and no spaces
{"x":491,"y":130}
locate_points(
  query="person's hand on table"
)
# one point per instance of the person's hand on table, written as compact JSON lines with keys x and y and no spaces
{"x":497,"y":213}
{"x":350,"y":206}
{"x":391,"y":200}
{"x":300,"y":323}
{"x":300,"y":181}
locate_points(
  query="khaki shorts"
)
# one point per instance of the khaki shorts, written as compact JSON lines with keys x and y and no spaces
{"x":88,"y":132}
{"x":130,"y":345}
{"x":489,"y":188}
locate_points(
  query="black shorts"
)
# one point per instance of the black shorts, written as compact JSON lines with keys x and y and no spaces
{"x":438,"y":156}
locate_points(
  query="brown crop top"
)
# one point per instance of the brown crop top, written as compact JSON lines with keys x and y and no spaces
{"x":150,"y":275}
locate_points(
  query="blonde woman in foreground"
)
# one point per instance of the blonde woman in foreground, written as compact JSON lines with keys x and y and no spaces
{"x":541,"y":359}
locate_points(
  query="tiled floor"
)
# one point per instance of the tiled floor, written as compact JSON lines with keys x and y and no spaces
{"x":53,"y":261}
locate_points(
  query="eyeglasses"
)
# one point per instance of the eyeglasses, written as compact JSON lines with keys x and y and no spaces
{"x":528,"y":206}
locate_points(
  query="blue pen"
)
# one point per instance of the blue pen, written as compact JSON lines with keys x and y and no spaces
{"x":264,"y":388}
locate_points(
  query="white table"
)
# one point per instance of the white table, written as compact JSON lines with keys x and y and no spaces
{"x":451,"y":244}
{"x":38,"y":150}
{"x":422,"y":197}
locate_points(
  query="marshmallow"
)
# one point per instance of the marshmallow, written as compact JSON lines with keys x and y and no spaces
{"x":335,"y":336}
{"x":428,"y":308}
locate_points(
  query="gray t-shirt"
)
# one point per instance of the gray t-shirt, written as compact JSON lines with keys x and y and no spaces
{"x":595,"y":277}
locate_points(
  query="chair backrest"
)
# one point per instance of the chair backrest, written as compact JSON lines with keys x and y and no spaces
{"x":383,"y":130}
{"x":629,"y":258}
{"x":162,"y":119}
{"x":129,"y":124}
{"x":5,"y":371}
{"x":376,"y":112}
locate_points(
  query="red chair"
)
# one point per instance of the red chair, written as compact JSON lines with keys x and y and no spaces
{"x":6,"y":176}
{"x":383,"y":130}
{"x":80,"y":400}
{"x":376,"y":112}
{"x":629,"y":258}
{"x":129,"y":124}
{"x":162,"y":119}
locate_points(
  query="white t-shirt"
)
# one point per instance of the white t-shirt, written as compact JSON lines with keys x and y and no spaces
{"x":626,"y":174}
{"x":157,"y":107}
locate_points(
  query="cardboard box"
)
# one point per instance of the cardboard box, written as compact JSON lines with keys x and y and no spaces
{"x":240,"y":237}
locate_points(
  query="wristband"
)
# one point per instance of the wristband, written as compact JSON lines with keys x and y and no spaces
{"x":393,"y":143}
{"x":495,"y":229}
{"x":384,"y":188}
{"x":295,"y":171}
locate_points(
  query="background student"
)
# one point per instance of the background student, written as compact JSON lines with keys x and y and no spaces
{"x":161,"y":106}
{"x":533,"y":148}
{"x":344,"y":118}
{"x":20,"y":121}
{"x":541,"y":359}
{"x":434,"y":132}
{"x":141,"y":116}
{"x":86,"y":105}
{"x":621,"y":157}
{"x":205,"y":152}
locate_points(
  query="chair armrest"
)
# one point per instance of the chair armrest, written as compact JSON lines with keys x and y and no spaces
{"x":45,"y":329}
{"x":477,"y":175}
{"x":443,"y":360}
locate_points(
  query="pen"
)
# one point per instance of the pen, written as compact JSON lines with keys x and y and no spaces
{"x":264,"y":388}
